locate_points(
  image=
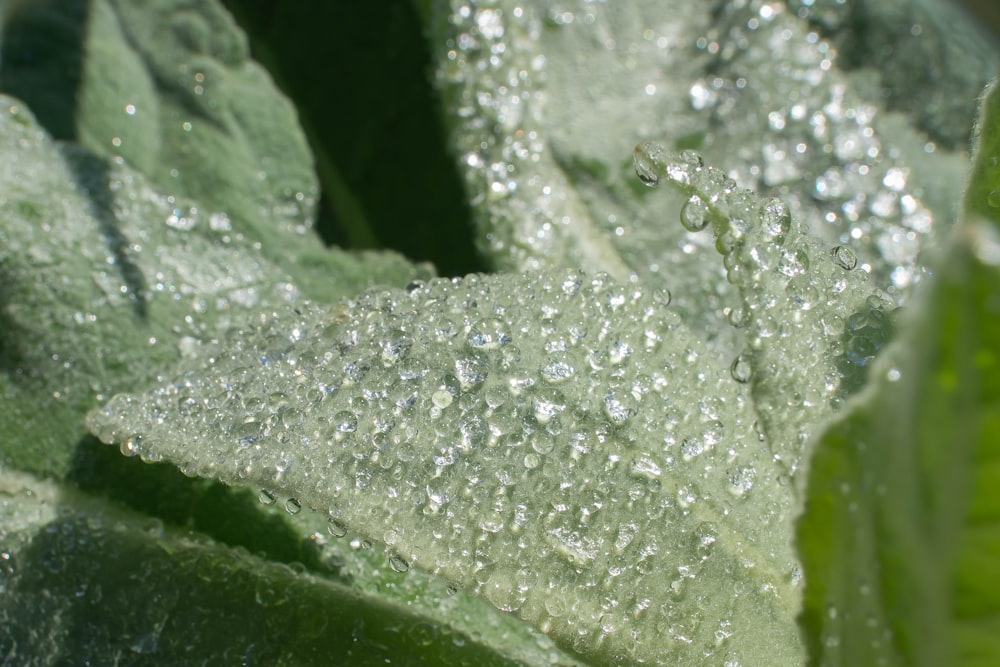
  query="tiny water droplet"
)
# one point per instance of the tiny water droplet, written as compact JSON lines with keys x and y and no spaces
{"x":293,"y":506}
{"x":8,"y":565}
{"x":265,"y":497}
{"x":694,"y":214}
{"x":844,"y":257}
{"x":399,"y":564}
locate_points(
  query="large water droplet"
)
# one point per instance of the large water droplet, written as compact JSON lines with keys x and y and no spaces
{"x":741,"y":369}
{"x":265,"y":497}
{"x":335,"y":527}
{"x":694,"y":214}
{"x":775,"y":219}
{"x":130,"y":446}
{"x":488,"y":335}
{"x":399,"y":564}
{"x":844,"y":257}
{"x":472,"y":371}
{"x":293,"y":506}
{"x":345,"y":421}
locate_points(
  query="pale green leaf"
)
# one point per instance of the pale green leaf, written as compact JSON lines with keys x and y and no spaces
{"x":557,"y":444}
{"x":545,"y":100}
{"x":107,"y":282}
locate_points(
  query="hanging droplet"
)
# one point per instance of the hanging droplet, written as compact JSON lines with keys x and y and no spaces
{"x":643,"y":167}
{"x":130,"y":446}
{"x":844,"y":257}
{"x":293,"y":506}
{"x":265,"y":497}
{"x":694,"y":214}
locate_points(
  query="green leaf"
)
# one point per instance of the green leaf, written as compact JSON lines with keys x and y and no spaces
{"x":525,"y":437}
{"x":812,"y":323}
{"x":544,"y":102}
{"x":74,"y":568}
{"x":106,"y":282}
{"x":900,"y":534}
{"x":373,"y":123}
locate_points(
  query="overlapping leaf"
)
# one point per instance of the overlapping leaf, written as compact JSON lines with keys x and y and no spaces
{"x":900,"y":532}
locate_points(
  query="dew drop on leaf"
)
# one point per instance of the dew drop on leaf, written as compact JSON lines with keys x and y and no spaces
{"x":293,"y":506}
{"x":694,"y":214}
{"x":741,"y":369}
{"x":399,"y":564}
{"x":644,"y":170}
{"x":345,"y":421}
{"x":265,"y":497}
{"x":844,"y":257}
{"x":335,"y":527}
{"x":775,"y":218}
{"x":130,"y":446}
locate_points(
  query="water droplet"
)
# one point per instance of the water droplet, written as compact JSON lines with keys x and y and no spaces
{"x":395,"y":346}
{"x":472,"y":371}
{"x":691,"y":447}
{"x":555,"y":606}
{"x":741,"y":369}
{"x":694,"y":214}
{"x":775,"y":219}
{"x":844,"y":257}
{"x":993,"y":198}
{"x":130,"y":446}
{"x":742,"y":480}
{"x":643,"y":166}
{"x":739,"y":317}
{"x":557,"y":371}
{"x":292,"y":418}
{"x":619,"y":406}
{"x":293,"y":506}
{"x":265,"y":497}
{"x":335,"y":527}
{"x":8,"y":566}
{"x":532,"y":460}
{"x":547,"y":404}
{"x":345,"y":421}
{"x":794,"y":262}
{"x":398,"y":564}
{"x":489,"y":335}
{"x":442,"y":398}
